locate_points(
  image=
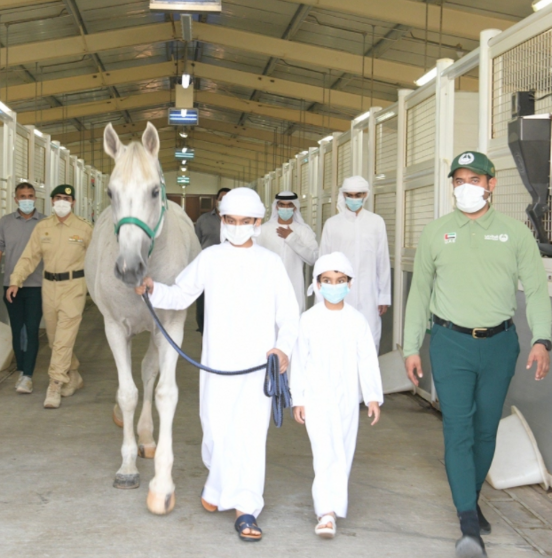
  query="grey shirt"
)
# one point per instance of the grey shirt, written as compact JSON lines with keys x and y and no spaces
{"x":15,"y":232}
{"x":207,"y":229}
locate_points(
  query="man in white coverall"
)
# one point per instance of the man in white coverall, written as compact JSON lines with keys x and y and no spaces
{"x":361,"y":236}
{"x":250,"y":312}
{"x":287,"y":234}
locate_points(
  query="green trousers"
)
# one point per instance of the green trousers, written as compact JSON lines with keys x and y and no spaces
{"x":472,"y":377}
{"x":25,"y":312}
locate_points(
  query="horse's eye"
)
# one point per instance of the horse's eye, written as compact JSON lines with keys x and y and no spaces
{"x":109,"y":193}
{"x":155,"y":192}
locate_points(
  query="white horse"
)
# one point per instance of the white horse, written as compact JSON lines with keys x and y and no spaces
{"x":144,"y":221}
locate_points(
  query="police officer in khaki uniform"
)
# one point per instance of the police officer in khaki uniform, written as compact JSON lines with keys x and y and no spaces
{"x":60,"y":241}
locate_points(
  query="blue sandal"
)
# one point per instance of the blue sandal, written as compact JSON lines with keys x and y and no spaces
{"x":247,"y":521}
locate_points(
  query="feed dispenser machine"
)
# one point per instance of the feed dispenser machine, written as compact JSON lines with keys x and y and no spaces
{"x":529,"y":139}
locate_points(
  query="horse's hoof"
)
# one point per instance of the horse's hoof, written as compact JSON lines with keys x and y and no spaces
{"x":145,"y":451}
{"x":118,"y":416}
{"x":160,"y":504}
{"x":126,"y":481}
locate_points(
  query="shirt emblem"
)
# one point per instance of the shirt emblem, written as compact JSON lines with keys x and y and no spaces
{"x":497,"y":237}
{"x":450,"y":238}
{"x":75,"y":238}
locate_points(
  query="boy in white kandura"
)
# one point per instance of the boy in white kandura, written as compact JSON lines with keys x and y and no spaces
{"x":334,"y":367}
{"x":250,"y":312}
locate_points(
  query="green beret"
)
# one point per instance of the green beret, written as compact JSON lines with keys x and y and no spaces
{"x":65,"y":189}
{"x":475,"y":161}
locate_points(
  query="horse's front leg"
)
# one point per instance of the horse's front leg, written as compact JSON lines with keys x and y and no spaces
{"x":127,"y":397}
{"x":161,"y":497}
{"x":150,"y":368}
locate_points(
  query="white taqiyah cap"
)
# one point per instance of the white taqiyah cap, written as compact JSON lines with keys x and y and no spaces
{"x":243,"y":202}
{"x":336,"y":261}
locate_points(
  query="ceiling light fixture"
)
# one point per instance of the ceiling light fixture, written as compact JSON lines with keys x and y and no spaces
{"x":540,"y":4}
{"x":38,"y":133}
{"x":327,"y":138}
{"x":426,"y":78}
{"x":186,"y":80}
{"x":362,"y":117}
{"x":183,"y":135}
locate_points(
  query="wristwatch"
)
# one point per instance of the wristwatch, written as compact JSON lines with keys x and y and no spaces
{"x":545,"y":342}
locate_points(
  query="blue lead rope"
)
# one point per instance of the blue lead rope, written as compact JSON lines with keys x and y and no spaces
{"x":275,"y":385}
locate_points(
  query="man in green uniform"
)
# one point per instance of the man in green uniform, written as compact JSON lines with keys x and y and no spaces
{"x":60,"y":241}
{"x":466,"y":274}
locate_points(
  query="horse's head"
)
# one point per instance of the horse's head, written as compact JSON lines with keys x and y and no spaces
{"x":138,"y":200}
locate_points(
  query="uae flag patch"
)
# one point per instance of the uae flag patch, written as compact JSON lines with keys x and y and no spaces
{"x":450,"y":238}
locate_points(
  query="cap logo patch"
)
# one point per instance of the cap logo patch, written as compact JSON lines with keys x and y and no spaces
{"x":68,"y":191}
{"x":466,"y":159}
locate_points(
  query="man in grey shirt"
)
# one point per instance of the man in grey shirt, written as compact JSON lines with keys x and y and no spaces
{"x":207,"y":230}
{"x":25,"y":311}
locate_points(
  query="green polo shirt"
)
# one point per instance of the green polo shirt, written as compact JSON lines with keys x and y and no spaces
{"x":467,"y":271}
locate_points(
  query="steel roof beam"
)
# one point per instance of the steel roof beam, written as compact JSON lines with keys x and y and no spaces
{"x":458,"y":23}
{"x":207,"y":127}
{"x":285,"y":88}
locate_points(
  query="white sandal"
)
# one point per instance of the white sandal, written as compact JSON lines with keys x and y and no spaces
{"x":322,"y":529}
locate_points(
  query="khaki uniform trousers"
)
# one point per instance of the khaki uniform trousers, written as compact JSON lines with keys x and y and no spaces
{"x":63,"y":304}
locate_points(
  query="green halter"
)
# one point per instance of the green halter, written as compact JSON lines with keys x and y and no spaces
{"x":152,"y":233}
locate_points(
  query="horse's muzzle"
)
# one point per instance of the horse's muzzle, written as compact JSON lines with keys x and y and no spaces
{"x":130,"y":270}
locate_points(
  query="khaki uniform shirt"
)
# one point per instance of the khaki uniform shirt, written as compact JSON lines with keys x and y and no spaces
{"x":62,"y":246}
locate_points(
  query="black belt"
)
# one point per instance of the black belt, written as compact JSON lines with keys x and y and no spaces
{"x":476,"y":332}
{"x":64,"y":276}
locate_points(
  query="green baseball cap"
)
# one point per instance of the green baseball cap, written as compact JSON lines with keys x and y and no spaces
{"x":65,"y":189}
{"x":473,"y":160}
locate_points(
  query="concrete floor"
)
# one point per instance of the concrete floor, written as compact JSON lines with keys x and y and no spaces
{"x":56,"y":470}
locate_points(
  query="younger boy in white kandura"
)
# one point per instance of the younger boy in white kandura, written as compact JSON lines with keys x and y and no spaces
{"x":334,"y":367}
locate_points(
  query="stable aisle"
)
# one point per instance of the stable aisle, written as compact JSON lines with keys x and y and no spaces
{"x":57,"y":468}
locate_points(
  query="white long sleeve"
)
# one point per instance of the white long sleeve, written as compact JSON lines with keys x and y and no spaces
{"x":303,"y":242}
{"x":188,"y":286}
{"x":287,"y":312}
{"x":368,"y":367}
{"x":383,"y":268}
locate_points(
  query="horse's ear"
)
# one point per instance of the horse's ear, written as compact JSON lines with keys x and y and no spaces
{"x":112,"y":143}
{"x":150,"y":140}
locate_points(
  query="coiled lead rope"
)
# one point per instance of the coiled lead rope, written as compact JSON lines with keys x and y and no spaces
{"x":275,"y":385}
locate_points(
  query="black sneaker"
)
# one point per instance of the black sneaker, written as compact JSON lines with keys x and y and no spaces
{"x":484,"y":525}
{"x":470,"y":547}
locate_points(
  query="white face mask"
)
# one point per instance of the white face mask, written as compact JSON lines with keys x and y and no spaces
{"x":239,"y":234}
{"x":469,"y":198}
{"x":62,"y":208}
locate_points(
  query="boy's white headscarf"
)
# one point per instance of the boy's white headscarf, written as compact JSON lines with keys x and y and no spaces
{"x":287,"y":196}
{"x":352,"y":184}
{"x":242,"y":202}
{"x":336,"y":261}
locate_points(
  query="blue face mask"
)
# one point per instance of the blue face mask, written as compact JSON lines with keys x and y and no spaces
{"x":354,"y":204}
{"x":285,"y":213}
{"x":26,"y":206}
{"x":334,"y":293}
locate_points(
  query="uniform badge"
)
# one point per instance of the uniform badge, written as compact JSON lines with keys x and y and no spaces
{"x":68,"y":191}
{"x":75,"y":238}
{"x":466,"y":159}
{"x":450,"y":238}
